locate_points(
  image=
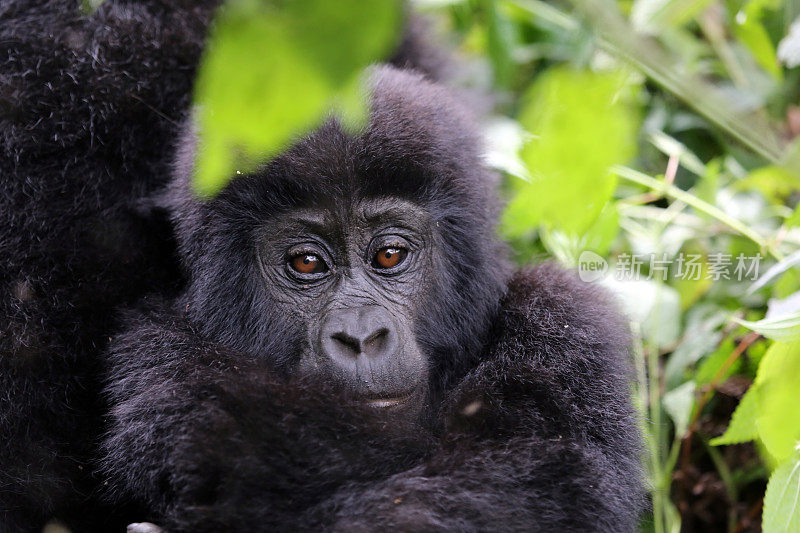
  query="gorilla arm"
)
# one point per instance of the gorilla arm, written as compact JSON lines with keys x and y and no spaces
{"x":540,"y":436}
{"x":209,"y":440}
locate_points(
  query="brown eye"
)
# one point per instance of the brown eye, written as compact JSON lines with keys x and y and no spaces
{"x":389,"y":257}
{"x":308,"y":264}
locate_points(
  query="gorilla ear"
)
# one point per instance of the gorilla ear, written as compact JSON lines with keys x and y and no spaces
{"x":150,"y":207}
{"x":178,"y":199}
{"x":178,"y":194}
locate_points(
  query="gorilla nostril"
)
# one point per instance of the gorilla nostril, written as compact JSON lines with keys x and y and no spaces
{"x":375,"y":343}
{"x":346,"y":344}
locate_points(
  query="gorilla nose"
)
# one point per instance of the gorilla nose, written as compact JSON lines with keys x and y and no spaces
{"x":366,"y":332}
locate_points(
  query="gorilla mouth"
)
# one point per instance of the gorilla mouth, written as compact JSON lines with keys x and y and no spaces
{"x":385,"y":403}
{"x":390,"y":400}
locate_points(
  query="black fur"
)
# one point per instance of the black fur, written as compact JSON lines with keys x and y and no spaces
{"x":89,"y":108}
{"x":530,"y":425}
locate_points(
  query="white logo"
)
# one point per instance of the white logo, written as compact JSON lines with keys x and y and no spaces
{"x":591,"y":267}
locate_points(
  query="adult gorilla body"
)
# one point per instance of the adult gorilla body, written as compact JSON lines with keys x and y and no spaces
{"x":239,"y":404}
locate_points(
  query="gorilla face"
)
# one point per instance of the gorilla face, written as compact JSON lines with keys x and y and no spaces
{"x":364,"y":260}
{"x":351,"y":275}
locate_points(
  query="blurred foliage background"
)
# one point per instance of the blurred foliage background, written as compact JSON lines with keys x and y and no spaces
{"x":653,"y":144}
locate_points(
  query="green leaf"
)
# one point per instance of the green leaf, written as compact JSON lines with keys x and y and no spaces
{"x":777,"y":415}
{"x":773,"y":182}
{"x":750,"y":31}
{"x":583,"y":123}
{"x":500,"y":42}
{"x":272,"y":70}
{"x":794,"y":220}
{"x":601,"y":235}
{"x":775,"y":271}
{"x":743,"y":422}
{"x":782,"y":500}
{"x":714,"y":362}
{"x":678,"y":403}
{"x":781,"y":328}
{"x":701,"y":336}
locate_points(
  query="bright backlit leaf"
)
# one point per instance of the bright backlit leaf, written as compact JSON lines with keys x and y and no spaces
{"x":781,"y":328}
{"x":751,"y":32}
{"x":272,"y":70}
{"x":782,"y":501}
{"x":743,"y":422}
{"x":583,"y":123}
{"x":777,"y":415}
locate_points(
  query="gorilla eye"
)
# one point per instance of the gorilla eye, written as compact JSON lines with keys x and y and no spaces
{"x":389,"y":257}
{"x":308,"y":264}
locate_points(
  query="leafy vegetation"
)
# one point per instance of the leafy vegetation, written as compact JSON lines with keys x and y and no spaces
{"x":273,"y":69}
{"x":653,"y":144}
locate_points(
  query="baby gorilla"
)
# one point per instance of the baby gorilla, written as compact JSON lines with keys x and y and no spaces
{"x":354,"y":353}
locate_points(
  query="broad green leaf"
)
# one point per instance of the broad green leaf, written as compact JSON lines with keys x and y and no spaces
{"x":583,"y":123}
{"x":678,"y":403}
{"x":743,"y":422}
{"x":781,"y":328}
{"x":794,"y":220}
{"x":782,"y":500}
{"x":601,"y":235}
{"x":787,"y":284}
{"x":714,"y":362}
{"x":750,"y":31}
{"x":777,"y":415}
{"x":701,"y":336}
{"x":776,"y":271}
{"x":500,"y":41}
{"x":272,"y":70}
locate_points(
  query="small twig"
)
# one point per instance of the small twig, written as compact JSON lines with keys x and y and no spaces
{"x":751,"y":515}
{"x":734,"y":355}
{"x":672,"y":169}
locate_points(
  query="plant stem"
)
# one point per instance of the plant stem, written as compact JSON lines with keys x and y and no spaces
{"x":689,"y":199}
